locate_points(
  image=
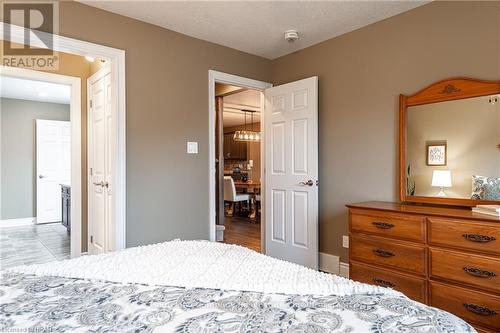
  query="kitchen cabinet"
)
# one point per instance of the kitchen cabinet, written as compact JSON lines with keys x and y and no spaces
{"x":66,"y":206}
{"x":234,"y":150}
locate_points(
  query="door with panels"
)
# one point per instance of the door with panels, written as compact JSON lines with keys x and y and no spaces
{"x":101,"y":163}
{"x":53,"y":167}
{"x":291,"y":171}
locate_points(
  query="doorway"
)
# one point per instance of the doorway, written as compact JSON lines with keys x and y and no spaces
{"x":289,"y":161}
{"x":40,"y":115}
{"x":238,"y":153}
{"x":244,"y":223}
{"x":116,"y":60}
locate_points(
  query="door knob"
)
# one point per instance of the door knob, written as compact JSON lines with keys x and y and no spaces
{"x":42,"y":176}
{"x":308,"y":183}
{"x":102,"y":183}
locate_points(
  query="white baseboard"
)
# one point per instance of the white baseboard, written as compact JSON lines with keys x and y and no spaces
{"x":17,"y":222}
{"x":344,"y":269}
{"x":331,"y":264}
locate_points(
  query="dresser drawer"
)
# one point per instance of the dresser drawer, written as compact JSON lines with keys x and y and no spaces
{"x":480,"y":329}
{"x":470,"y":235}
{"x":388,"y":252}
{"x":411,"y":286}
{"x":411,"y":227}
{"x":473,"y":306}
{"x":480,"y":271}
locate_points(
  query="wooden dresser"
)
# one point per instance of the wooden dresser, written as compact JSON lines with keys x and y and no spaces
{"x":445,"y":257}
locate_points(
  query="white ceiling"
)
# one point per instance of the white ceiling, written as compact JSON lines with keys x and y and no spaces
{"x":249,"y":98}
{"x":257,"y":27}
{"x":32,"y":90}
{"x":245,"y":100}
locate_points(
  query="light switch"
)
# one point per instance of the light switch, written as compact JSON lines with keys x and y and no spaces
{"x":192,"y":147}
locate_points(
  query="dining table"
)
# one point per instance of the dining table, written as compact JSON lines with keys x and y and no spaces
{"x":248,"y":185}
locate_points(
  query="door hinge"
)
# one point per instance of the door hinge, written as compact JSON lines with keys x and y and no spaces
{"x":91,"y":239}
{"x":91,"y":171}
{"x":90,"y":103}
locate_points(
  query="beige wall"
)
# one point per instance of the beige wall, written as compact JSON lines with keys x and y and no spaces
{"x":360,"y":76}
{"x":472,"y":132}
{"x":167,"y":105}
{"x":18,"y":153}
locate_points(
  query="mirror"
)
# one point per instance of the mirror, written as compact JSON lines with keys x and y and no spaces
{"x":450,"y":143}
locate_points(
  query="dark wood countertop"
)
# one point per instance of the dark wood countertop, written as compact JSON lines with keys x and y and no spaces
{"x":460,"y":213}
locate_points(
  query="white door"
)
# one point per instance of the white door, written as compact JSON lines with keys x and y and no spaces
{"x":53,"y":167}
{"x":291,"y":171}
{"x":100,"y":161}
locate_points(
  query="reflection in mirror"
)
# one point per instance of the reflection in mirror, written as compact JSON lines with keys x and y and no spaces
{"x":453,"y":149}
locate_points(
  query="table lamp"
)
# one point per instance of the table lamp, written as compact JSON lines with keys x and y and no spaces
{"x":441,"y":179}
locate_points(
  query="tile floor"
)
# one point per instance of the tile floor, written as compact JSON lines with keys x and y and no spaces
{"x":34,"y":244}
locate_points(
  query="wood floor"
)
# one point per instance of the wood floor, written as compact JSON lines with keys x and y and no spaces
{"x":241,"y":231}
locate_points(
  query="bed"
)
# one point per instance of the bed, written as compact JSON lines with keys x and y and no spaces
{"x":201,"y":286}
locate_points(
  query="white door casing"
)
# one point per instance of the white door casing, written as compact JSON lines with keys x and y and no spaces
{"x":116,"y":59}
{"x":53,"y":167}
{"x":235,"y":80}
{"x":101,"y":163}
{"x":291,"y":171}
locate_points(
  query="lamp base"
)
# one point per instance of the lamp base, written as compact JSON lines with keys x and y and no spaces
{"x":441,"y":193}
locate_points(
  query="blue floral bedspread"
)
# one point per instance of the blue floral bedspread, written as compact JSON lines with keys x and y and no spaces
{"x":30,"y":303}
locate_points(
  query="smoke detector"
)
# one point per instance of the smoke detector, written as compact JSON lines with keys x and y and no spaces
{"x":291,"y":36}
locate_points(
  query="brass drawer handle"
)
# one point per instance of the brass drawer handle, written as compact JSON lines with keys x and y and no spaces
{"x":383,"y":253}
{"x":479,"y":272}
{"x":383,"y":283}
{"x":477,"y":309}
{"x":478,"y":238}
{"x":383,"y":225}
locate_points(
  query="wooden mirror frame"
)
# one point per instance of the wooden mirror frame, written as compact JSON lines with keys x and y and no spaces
{"x":446,"y":90}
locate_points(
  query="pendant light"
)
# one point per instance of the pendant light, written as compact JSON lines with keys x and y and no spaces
{"x":247,"y":136}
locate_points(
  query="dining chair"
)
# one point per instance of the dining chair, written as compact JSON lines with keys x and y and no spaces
{"x":231,"y":196}
{"x":257,"y":204}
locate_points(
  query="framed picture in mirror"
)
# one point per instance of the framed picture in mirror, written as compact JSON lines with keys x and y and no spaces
{"x":436,"y":154}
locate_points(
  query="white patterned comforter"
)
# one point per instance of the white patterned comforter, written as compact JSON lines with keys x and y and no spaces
{"x":197,"y":286}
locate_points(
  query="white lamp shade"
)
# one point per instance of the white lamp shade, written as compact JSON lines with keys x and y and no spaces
{"x":441,"y":178}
